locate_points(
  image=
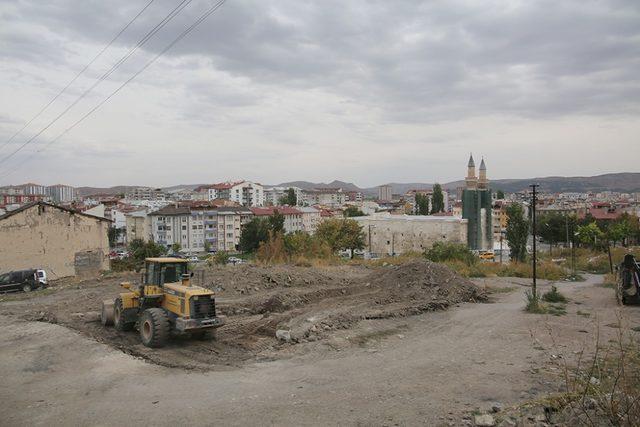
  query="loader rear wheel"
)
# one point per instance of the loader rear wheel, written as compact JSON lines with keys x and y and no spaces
{"x":154,"y":327}
{"x":107,"y":313}
{"x":119,"y":321}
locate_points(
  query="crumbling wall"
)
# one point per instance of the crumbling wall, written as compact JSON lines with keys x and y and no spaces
{"x":61,"y":242}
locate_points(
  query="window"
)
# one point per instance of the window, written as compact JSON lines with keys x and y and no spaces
{"x":230,"y":235}
{"x":184,"y":227}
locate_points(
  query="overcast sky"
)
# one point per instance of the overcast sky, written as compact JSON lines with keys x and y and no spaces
{"x":363,"y":91}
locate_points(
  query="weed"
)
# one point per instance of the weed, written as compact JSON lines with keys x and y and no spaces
{"x":533,"y":304}
{"x":554,"y":296}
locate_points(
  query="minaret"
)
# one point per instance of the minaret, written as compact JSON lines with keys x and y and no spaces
{"x":471,"y":179}
{"x":482,"y":181}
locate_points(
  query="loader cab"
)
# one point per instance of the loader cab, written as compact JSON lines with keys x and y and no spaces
{"x":159,"y":271}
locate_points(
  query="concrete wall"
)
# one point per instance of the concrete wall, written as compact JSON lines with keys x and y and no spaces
{"x":60,"y":242}
{"x":403,"y":233}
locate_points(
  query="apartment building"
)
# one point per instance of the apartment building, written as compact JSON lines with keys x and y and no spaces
{"x":138,"y":226}
{"x":244,"y":193}
{"x":311,"y":217}
{"x":230,"y":221}
{"x":385,"y":193}
{"x":292,"y":216}
{"x":146,"y":193}
{"x":61,"y":193}
{"x":331,"y":197}
{"x":273,"y":195}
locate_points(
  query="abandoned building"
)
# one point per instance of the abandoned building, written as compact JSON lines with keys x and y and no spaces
{"x":61,"y":241}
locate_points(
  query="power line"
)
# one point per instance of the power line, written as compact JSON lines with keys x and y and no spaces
{"x":64,"y":89}
{"x":142,"y":41}
{"x":197,"y":22}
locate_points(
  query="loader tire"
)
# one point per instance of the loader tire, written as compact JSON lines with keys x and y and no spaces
{"x":119,"y":321}
{"x":154,"y":327}
{"x":107,"y":313}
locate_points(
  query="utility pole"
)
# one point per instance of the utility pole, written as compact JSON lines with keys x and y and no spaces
{"x":533,"y":232}
{"x":501,"y":234}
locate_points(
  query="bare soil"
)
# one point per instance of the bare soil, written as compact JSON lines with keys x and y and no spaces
{"x":311,"y":303}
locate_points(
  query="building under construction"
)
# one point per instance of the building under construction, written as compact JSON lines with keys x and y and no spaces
{"x":476,"y":207}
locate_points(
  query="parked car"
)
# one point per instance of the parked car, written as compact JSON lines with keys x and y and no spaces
{"x":194,"y":259}
{"x":42,"y":277}
{"x":234,"y":260}
{"x":25,"y":280}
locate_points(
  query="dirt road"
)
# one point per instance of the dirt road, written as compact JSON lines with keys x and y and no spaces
{"x":429,"y":368}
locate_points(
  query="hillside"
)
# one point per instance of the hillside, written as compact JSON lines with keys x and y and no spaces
{"x":628,"y":182}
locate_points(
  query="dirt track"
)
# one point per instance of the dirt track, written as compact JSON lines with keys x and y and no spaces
{"x":433,"y":369}
{"x":311,"y":303}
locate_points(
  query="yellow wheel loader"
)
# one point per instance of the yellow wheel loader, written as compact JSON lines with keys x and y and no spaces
{"x":163,"y":302}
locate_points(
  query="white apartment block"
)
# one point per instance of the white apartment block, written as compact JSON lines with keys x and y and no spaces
{"x":273,"y":195}
{"x":292,"y":216}
{"x":243,"y":192}
{"x":332,"y":197}
{"x":61,"y":193}
{"x":310,"y":219}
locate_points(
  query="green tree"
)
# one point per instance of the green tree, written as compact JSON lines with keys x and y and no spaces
{"x":341,"y":234}
{"x":422,"y":204}
{"x":289,"y":198}
{"x":113,"y":235}
{"x":276,"y":222}
{"x":140,"y":249}
{"x":352,"y":211}
{"x":253,"y":233}
{"x":500,"y":195}
{"x":590,"y":234}
{"x":437,"y":201}
{"x":176,"y":247}
{"x":517,"y":232}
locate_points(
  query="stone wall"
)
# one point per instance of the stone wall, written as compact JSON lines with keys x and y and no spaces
{"x":61,"y":242}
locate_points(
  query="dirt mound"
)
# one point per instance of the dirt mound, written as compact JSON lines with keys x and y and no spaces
{"x":422,"y":279}
{"x":309,"y":303}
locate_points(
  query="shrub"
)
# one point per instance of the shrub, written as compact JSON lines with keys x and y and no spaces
{"x":554,"y":296}
{"x":533,"y":304}
{"x":220,"y":258}
{"x":447,"y":251}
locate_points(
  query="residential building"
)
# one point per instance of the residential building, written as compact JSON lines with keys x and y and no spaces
{"x":19,"y":199}
{"x":477,"y":208}
{"x":34,"y":189}
{"x":61,"y":193}
{"x":273,"y":195}
{"x":230,"y":222}
{"x":138,"y":226}
{"x":386,"y":234}
{"x":243,"y":192}
{"x":292,"y":216}
{"x":146,"y":193}
{"x":385,"y":193}
{"x":354,"y":196}
{"x":199,"y":228}
{"x":311,"y":217}
{"x":62,"y":241}
{"x":330,"y":197}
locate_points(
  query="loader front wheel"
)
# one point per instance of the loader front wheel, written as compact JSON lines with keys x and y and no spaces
{"x":154,"y":327}
{"x":119,"y":321}
{"x":107,"y":313}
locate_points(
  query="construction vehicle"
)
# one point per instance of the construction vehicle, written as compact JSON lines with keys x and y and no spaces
{"x":164,"y":302}
{"x":628,"y":284}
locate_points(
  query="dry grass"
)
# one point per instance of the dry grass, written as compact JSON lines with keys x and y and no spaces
{"x":604,"y":388}
{"x":546,"y":270}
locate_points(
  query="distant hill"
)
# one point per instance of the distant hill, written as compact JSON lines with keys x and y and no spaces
{"x":623,"y":182}
{"x":306,"y":185}
{"x":628,"y":182}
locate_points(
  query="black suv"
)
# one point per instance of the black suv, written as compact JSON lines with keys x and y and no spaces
{"x":25,"y":280}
